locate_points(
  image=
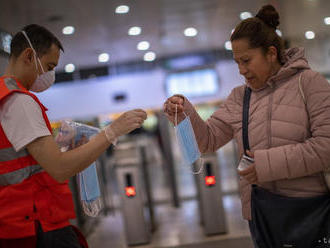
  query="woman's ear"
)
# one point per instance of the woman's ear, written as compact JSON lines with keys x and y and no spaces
{"x":272,"y":53}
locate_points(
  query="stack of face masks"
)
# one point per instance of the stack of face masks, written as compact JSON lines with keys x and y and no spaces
{"x":90,"y":191}
{"x":187,"y":141}
{"x":71,"y":135}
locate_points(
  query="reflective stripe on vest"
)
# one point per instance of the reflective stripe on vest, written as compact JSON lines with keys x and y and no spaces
{"x":11,"y":84}
{"x":7,"y":154}
{"x":20,"y":175}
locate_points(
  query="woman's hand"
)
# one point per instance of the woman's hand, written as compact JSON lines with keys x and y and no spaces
{"x":250,"y":173}
{"x":174,"y":105}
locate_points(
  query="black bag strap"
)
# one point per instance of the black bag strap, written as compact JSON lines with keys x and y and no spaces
{"x":245,"y":119}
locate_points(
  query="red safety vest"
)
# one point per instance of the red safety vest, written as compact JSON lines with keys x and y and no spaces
{"x":27,"y":192}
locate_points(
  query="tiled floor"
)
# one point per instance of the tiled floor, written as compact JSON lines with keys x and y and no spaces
{"x":180,"y":227}
{"x":227,"y":243}
{"x":175,"y":227}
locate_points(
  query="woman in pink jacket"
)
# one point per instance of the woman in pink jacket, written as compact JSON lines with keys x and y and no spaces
{"x":289,"y":140}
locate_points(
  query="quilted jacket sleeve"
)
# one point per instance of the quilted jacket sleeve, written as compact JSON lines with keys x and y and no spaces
{"x":311,"y":156}
{"x":217,"y":130}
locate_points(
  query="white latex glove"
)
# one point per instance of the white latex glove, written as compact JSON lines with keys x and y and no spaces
{"x":125,"y":123}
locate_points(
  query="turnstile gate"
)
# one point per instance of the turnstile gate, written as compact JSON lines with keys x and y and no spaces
{"x":210,"y":197}
{"x":136,"y":222}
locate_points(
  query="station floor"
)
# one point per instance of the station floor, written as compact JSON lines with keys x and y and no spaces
{"x":180,"y":227}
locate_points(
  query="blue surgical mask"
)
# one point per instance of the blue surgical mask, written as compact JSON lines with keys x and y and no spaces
{"x":90,"y":190}
{"x":187,"y":142}
{"x":90,"y":194}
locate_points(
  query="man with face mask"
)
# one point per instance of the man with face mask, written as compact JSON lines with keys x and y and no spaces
{"x":35,"y":200}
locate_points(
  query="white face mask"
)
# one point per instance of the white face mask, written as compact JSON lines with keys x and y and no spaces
{"x":46,"y":79}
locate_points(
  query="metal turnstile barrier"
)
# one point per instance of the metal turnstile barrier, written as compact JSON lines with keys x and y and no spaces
{"x":212,"y":213}
{"x":128,"y":167}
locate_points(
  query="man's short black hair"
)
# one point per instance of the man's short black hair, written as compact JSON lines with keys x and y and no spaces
{"x":40,"y":37}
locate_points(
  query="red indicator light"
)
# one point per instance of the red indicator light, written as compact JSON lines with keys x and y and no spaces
{"x":210,"y":180}
{"x":130,"y":191}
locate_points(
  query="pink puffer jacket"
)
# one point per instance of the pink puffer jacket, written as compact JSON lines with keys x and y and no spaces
{"x":290,"y":140}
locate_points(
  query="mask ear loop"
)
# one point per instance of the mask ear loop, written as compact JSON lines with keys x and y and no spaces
{"x":35,"y":53}
{"x":201,"y":160}
{"x":176,"y":115}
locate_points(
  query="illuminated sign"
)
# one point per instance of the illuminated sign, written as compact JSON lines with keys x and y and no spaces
{"x":195,"y":83}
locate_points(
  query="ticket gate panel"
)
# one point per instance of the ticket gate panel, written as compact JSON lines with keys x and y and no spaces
{"x":136,"y":225}
{"x":210,"y":197}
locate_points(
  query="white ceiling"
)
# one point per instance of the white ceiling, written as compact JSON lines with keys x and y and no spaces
{"x":98,"y":29}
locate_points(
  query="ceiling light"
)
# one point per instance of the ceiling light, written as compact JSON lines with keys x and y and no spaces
{"x":327,"y":21}
{"x":143,"y":45}
{"x":134,"y":31}
{"x":68,"y":30}
{"x":103,"y":57}
{"x":149,"y":56}
{"x":122,"y":9}
{"x":245,"y":15}
{"x":69,"y":68}
{"x":190,"y":32}
{"x":279,"y":32}
{"x":310,"y":35}
{"x":228,"y":45}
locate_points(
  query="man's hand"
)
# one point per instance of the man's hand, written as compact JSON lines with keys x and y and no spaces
{"x":125,"y":123}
